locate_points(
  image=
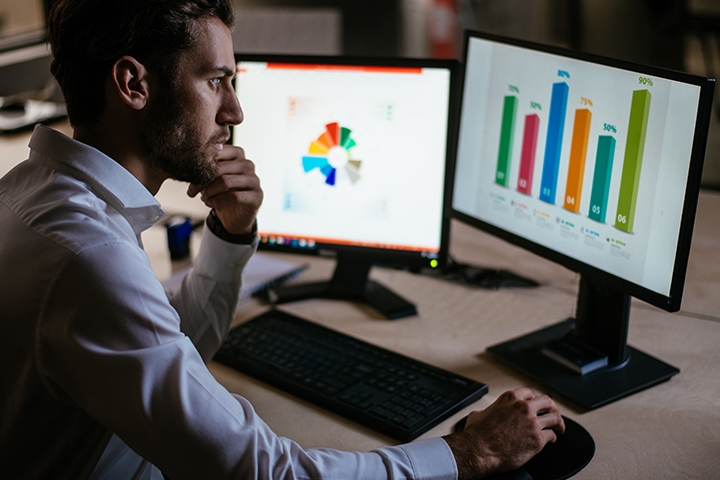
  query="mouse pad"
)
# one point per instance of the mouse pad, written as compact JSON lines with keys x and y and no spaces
{"x":572,"y":451}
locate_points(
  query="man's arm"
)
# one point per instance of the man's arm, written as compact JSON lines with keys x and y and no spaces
{"x":207,"y":298}
{"x":505,"y":435}
{"x":120,"y":358}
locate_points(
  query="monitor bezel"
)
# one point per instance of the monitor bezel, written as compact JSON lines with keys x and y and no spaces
{"x":383,"y":256}
{"x":672,"y":301}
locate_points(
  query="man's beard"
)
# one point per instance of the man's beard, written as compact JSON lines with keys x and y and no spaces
{"x":173,"y":142}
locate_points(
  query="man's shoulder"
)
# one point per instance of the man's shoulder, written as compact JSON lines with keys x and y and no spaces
{"x":60,"y":209}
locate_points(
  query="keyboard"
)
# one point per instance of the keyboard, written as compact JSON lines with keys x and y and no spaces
{"x":393,"y":394}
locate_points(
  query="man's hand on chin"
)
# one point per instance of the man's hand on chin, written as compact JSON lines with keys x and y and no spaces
{"x":235,"y":194}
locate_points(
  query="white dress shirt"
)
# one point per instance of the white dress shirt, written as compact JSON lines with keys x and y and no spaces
{"x":101,"y":375}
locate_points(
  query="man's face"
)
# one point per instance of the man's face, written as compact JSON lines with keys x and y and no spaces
{"x":188,"y":122}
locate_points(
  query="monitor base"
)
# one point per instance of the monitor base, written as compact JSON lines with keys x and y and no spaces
{"x":382,"y":299}
{"x":592,"y":390}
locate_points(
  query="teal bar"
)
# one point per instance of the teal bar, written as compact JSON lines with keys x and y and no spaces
{"x":507,"y":133}
{"x":601,"y":178}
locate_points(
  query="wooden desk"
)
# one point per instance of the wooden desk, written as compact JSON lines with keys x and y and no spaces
{"x":669,"y":431}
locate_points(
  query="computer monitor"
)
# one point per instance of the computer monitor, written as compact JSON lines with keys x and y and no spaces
{"x":594,"y":164}
{"x":352,"y":154}
{"x":21,"y":23}
{"x":28,"y":92}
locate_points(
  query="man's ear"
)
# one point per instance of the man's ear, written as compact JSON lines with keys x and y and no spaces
{"x":129,"y":78}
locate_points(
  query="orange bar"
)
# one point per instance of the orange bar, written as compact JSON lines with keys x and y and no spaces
{"x":578,"y":153}
{"x":363,"y":68}
{"x":325,"y":140}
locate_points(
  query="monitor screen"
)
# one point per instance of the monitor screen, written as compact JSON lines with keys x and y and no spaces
{"x":586,"y":159}
{"x":595,"y":164}
{"x":351,"y":153}
{"x":24,"y":54}
{"x":22,"y":23}
{"x":28,"y":92}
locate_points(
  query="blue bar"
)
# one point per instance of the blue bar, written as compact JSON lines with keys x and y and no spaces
{"x":553,"y":144}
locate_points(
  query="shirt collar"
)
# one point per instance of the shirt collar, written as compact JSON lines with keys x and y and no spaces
{"x":110,"y":181}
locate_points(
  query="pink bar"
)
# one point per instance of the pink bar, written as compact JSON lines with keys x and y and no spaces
{"x":527,"y":157}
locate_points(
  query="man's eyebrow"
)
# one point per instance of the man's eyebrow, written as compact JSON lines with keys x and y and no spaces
{"x":214,"y":69}
{"x":227,"y":71}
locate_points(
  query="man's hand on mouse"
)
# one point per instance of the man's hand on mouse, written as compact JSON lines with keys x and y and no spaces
{"x":235,"y":194}
{"x":506,"y":434}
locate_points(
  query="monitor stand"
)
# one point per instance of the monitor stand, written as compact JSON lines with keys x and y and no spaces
{"x":587,"y":359}
{"x":349,"y":282}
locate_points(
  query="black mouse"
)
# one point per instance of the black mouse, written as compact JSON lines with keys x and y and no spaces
{"x":572,"y":451}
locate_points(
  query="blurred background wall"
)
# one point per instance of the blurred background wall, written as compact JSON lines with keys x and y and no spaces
{"x":678,"y":34}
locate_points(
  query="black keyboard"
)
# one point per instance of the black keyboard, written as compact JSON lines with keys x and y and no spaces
{"x":390,"y":393}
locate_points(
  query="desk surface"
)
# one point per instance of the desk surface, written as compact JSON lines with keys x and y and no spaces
{"x":669,"y":431}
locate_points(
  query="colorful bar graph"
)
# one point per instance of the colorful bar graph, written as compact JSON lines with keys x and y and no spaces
{"x":578,"y":155}
{"x":507,"y":133}
{"x":553,"y":144}
{"x":632,"y":162}
{"x":601,"y":178}
{"x":527,"y":156}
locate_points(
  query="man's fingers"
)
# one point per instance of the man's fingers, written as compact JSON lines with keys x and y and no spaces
{"x":231,"y":152}
{"x":548,"y":436}
{"x":522,"y":393}
{"x":542,"y":404}
{"x":232,"y":175}
{"x":193,"y":190}
{"x":552,"y":421}
{"x":548,"y":414}
{"x":230,"y":161}
{"x":251,"y":199}
{"x":229,"y":183}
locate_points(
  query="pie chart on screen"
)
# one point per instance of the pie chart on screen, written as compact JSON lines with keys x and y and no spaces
{"x":331,"y":153}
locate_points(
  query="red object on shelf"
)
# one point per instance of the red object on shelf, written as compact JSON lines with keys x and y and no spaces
{"x":443,"y":28}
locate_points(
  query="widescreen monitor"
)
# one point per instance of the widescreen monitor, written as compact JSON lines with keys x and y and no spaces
{"x":595,"y":164}
{"x":353,"y":157}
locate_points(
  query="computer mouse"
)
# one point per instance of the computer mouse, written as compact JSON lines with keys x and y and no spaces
{"x":572,"y":452}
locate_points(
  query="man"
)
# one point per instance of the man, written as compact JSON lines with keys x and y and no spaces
{"x":102,"y":376}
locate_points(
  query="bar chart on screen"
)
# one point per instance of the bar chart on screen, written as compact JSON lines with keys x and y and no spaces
{"x":568,"y":148}
{"x":575,"y":155}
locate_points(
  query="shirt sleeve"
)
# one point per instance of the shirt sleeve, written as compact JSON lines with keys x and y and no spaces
{"x":207,"y":298}
{"x":110,"y":344}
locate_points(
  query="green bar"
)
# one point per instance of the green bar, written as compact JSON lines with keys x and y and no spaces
{"x":507,"y":132}
{"x":344,"y":136}
{"x":632,"y":163}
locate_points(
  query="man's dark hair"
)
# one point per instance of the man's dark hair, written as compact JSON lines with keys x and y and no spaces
{"x":88,"y":36}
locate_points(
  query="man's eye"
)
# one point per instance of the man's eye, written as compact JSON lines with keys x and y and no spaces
{"x":216,"y":81}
